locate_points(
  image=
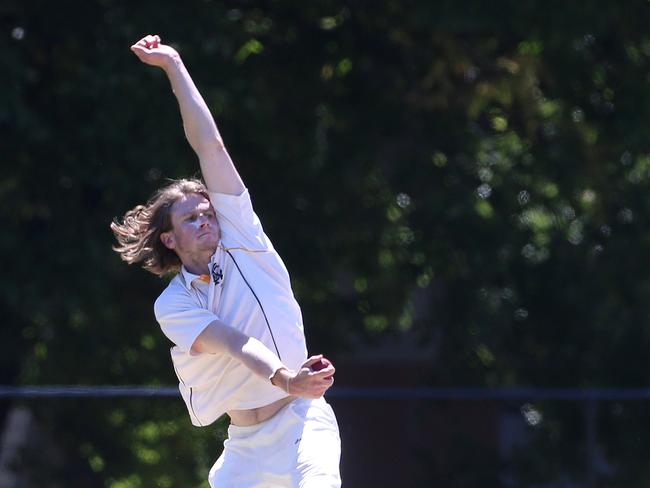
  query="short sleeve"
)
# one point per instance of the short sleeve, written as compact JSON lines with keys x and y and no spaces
{"x":239,"y":224}
{"x":181,"y":319}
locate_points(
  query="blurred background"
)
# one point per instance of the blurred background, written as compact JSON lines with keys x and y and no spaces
{"x":460,"y":191}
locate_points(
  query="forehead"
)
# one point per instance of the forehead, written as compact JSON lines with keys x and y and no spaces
{"x":189,"y":203}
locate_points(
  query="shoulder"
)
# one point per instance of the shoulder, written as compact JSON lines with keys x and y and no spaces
{"x":240,"y":225}
{"x":224,"y":201}
{"x":174,"y":296}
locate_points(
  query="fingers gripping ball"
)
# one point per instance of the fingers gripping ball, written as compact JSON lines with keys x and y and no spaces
{"x":321,"y":364}
{"x":152,"y":42}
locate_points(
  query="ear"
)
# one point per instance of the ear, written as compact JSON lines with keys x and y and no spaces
{"x":167,"y":238}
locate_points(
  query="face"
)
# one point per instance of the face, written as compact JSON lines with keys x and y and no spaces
{"x":195,"y":231}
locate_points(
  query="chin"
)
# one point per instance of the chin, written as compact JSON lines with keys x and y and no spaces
{"x":211,"y":246}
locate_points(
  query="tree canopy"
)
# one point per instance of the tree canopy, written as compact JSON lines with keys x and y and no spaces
{"x":470,"y":174}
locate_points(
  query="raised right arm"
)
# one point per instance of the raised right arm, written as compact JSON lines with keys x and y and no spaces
{"x":217,"y":167}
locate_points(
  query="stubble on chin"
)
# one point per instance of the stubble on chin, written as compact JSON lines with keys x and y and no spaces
{"x":211,"y":245}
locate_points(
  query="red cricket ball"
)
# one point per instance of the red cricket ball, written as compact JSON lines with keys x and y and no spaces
{"x":321,"y":364}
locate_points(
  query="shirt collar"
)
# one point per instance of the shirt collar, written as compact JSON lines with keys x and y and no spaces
{"x":188,"y":278}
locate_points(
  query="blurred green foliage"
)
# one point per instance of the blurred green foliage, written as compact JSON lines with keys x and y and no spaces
{"x":472,"y":174}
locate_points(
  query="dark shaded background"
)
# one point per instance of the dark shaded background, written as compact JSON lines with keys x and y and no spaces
{"x":464,"y":183}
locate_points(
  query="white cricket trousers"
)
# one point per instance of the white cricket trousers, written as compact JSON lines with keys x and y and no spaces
{"x":299,"y":447}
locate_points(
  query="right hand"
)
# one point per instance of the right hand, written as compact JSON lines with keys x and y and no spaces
{"x":307,"y":383}
{"x":151,"y":51}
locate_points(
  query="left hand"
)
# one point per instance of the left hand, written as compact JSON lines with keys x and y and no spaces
{"x":305,"y":383}
{"x":311,"y":383}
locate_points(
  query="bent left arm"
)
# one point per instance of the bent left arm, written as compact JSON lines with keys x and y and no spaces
{"x":218,"y":337}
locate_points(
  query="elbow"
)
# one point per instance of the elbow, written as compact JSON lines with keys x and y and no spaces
{"x":214,"y":339}
{"x":206,"y":149}
{"x":205,"y":141}
{"x":198,"y":347}
{"x":203,"y":343}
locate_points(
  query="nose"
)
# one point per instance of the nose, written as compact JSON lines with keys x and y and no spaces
{"x":204,"y":220}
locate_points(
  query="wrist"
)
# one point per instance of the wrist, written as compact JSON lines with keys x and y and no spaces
{"x":281,"y":378}
{"x":172,"y":63}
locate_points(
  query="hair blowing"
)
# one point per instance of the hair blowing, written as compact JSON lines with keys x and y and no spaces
{"x":138,"y":233}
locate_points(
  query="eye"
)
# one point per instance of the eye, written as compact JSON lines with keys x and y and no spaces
{"x":208,"y":213}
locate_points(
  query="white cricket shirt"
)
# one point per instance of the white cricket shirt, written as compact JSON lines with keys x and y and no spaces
{"x":249,"y":290}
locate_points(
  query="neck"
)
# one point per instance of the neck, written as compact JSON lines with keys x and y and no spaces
{"x":198,"y":266}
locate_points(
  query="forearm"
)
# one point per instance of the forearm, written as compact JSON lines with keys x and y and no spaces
{"x":221,"y":338}
{"x":200,"y":129}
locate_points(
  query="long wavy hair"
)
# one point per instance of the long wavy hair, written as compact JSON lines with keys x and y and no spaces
{"x":138,"y":232}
